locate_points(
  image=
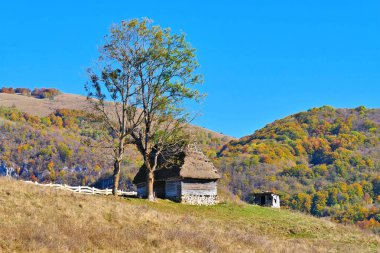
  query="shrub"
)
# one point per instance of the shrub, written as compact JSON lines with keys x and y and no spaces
{"x":65,"y":152}
{"x":23,"y":91}
{"x":300,"y":170}
{"x":9,"y":90}
{"x":45,"y":93}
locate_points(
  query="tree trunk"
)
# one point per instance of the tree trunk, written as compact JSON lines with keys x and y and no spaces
{"x":150,"y":185}
{"x":116,"y":177}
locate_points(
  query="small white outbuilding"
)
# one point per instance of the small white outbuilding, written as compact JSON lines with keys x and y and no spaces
{"x":267,"y":199}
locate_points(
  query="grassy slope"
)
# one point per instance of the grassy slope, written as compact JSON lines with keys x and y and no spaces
{"x":34,"y":218}
{"x":43,"y":107}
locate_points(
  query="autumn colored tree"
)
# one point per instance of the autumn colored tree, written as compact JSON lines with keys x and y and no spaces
{"x":23,"y":91}
{"x":45,"y":93}
{"x":147,"y":73}
{"x":319,"y":203}
{"x":302,"y":202}
{"x":9,"y":90}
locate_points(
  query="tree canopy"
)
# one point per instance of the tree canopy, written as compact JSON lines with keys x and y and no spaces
{"x":147,"y":73}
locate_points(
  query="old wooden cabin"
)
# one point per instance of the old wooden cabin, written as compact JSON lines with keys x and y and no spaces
{"x":191,"y":179}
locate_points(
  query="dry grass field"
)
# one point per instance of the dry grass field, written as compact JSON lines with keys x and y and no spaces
{"x":39,"y":219}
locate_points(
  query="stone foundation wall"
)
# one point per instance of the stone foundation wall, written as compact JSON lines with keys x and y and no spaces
{"x":199,"y":200}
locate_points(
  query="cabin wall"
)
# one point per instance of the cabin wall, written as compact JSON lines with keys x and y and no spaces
{"x":189,"y":191}
{"x":268,"y":200}
{"x":197,"y":187}
{"x":159,"y":189}
{"x":276,"y":201}
{"x":173,"y":189}
{"x":199,"y":192}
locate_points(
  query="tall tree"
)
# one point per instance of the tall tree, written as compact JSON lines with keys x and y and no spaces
{"x":149,"y":73}
{"x":111,"y":91}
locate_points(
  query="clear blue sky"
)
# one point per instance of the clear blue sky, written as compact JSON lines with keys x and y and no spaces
{"x":261,"y":60}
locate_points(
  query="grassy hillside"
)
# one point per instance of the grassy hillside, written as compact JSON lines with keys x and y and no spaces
{"x":38,"y":219}
{"x":324,"y":161}
{"x":43,"y":107}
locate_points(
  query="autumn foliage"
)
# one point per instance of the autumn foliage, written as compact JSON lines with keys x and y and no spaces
{"x":45,"y":93}
{"x":7,"y":90}
{"x":324,"y":162}
{"x":53,"y":148}
{"x":37,"y":92}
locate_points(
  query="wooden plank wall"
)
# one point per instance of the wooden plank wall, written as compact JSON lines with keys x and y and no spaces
{"x":159,"y":189}
{"x":199,"y":188}
{"x":173,"y":189}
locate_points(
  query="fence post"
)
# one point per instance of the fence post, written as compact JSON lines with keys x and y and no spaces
{"x":93,"y":190}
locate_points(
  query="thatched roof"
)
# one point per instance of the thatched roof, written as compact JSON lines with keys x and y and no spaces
{"x":191,"y":163}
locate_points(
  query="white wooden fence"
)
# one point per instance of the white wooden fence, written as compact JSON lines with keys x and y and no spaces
{"x":87,"y":189}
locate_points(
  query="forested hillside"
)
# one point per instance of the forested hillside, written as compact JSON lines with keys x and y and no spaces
{"x":49,"y":145}
{"x":324,"y":161}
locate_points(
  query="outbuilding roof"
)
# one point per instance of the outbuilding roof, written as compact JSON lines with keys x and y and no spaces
{"x":264,"y":193}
